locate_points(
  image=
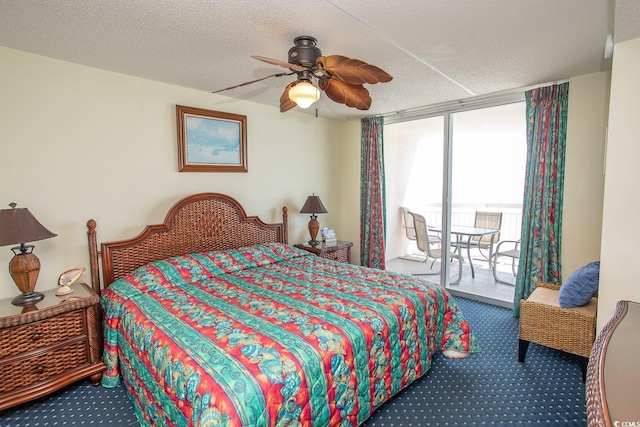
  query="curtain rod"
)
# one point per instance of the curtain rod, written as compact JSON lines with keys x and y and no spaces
{"x":481,"y":101}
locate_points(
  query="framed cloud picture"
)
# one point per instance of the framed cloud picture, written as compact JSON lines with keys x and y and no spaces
{"x":211,"y":141}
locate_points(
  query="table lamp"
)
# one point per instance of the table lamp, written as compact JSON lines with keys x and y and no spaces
{"x":18,"y":225}
{"x":313,"y":206}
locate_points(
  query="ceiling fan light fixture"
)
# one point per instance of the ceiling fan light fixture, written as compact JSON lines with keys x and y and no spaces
{"x":304,"y":94}
{"x":341,"y":78}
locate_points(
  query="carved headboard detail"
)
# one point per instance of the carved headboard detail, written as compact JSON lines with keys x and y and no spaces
{"x":198,"y":223}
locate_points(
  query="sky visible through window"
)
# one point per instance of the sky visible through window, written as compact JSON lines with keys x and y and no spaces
{"x":489,"y":156}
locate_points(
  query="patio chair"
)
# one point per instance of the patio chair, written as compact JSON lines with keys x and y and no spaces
{"x":513,"y":253}
{"x":409,"y":229}
{"x":492,"y":220}
{"x":423,"y":241}
{"x":410,"y":232}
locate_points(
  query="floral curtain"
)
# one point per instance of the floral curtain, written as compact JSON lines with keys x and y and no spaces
{"x":372,"y":197}
{"x":544,"y":189}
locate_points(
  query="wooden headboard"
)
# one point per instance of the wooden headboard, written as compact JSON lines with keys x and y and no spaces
{"x":198,"y":223}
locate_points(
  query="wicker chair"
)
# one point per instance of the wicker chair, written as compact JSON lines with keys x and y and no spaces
{"x":544,"y":322}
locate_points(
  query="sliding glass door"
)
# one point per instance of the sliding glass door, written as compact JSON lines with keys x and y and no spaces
{"x":447,"y":167}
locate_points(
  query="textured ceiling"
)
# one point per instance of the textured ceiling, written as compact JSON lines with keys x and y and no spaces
{"x":437,"y":51}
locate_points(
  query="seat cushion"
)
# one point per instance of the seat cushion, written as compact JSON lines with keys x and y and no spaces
{"x":544,"y":296}
{"x":550,"y":297}
{"x":581,"y":286}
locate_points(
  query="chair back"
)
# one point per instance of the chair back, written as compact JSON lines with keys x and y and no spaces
{"x":408,"y":226}
{"x":422,"y":233}
{"x":491,"y":220}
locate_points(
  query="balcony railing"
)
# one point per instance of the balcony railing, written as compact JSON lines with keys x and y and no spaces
{"x":464,"y":214}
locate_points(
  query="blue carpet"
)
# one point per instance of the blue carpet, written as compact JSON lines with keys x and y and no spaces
{"x":490,"y":388}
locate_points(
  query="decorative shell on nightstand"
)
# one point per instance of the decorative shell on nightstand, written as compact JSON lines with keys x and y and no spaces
{"x":67,"y":278}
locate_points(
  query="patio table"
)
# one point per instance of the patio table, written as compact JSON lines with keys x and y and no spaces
{"x":468,"y":231}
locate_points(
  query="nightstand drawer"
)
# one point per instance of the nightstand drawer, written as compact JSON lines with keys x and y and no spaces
{"x":40,"y":367}
{"x":337,"y":255}
{"x":338,"y":252}
{"x":23,"y":339}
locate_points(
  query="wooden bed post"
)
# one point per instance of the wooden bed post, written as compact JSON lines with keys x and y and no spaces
{"x":93,"y":256}
{"x":285,"y":216}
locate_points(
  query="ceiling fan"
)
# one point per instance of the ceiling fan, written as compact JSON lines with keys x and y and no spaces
{"x":341,"y":78}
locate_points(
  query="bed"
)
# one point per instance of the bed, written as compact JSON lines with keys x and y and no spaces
{"x":211,"y":318}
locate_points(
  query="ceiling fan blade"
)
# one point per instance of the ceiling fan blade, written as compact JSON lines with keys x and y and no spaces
{"x":253,"y":81}
{"x":286,"y":103}
{"x":294,"y":67}
{"x":352,"y":71}
{"x":355,"y":96}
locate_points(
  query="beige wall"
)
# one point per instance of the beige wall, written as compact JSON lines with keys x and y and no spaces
{"x":584,"y":171}
{"x":79,"y":143}
{"x":620,"y":231}
{"x":345,"y":186}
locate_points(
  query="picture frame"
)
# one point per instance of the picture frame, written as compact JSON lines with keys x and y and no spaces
{"x":211,"y":141}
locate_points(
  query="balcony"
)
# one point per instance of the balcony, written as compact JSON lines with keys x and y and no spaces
{"x":406,"y":258}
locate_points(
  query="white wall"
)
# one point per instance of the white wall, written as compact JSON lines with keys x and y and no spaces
{"x":79,"y":143}
{"x":401,"y":146}
{"x":620,"y":231}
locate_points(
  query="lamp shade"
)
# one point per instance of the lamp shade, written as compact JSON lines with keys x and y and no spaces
{"x":304,"y":94}
{"x":313,"y":205}
{"x":18,"y":225}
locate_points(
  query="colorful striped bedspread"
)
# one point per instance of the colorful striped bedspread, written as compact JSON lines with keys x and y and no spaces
{"x":270,"y":335}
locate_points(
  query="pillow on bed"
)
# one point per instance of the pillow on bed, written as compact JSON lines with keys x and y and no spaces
{"x":581,"y":286}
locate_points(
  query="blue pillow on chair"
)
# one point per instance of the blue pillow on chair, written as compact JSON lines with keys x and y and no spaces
{"x":581,"y":286}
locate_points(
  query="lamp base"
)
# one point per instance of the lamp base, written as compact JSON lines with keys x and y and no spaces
{"x":27,"y":298}
{"x":314,"y":227}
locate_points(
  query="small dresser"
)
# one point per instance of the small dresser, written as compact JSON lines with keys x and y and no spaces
{"x":49,"y":345}
{"x":338,"y":252}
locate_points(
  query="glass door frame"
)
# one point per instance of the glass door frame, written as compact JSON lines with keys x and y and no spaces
{"x":446,"y":110}
{"x":447,"y":174}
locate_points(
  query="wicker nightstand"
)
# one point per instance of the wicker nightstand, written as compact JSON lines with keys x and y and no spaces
{"x":50,"y":345}
{"x":339,"y":252}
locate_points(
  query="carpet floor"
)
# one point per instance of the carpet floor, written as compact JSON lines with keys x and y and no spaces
{"x":490,"y":388}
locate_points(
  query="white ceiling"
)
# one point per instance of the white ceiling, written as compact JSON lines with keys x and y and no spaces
{"x":437,"y":51}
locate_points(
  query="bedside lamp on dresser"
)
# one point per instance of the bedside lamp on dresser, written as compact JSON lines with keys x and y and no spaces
{"x":313,"y":206}
{"x":17,"y":226}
